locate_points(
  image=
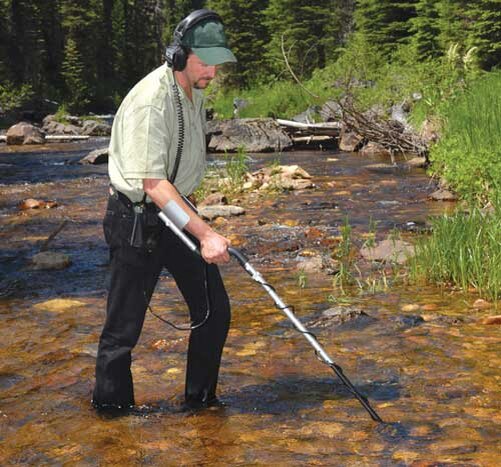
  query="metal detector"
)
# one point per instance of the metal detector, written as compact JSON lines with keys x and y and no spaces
{"x":257,"y":277}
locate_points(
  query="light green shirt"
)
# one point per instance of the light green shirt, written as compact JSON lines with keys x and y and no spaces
{"x":145,"y":136}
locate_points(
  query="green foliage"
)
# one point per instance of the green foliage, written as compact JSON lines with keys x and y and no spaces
{"x":464,"y":250}
{"x":236,"y":167}
{"x":281,"y":99}
{"x":13,"y":97}
{"x":468,"y":156}
{"x":74,"y":76}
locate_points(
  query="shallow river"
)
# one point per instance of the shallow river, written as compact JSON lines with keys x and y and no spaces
{"x":432,"y":374}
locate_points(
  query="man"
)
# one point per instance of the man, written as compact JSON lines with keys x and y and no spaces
{"x":157,"y":154}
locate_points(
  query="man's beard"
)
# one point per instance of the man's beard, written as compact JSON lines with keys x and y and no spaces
{"x":202,"y":83}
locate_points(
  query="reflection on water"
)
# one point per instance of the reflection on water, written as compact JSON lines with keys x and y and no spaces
{"x":433,"y":374}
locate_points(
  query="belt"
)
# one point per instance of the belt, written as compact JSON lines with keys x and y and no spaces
{"x":119,"y":196}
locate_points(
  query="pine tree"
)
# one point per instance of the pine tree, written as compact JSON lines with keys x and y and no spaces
{"x":81,"y":31}
{"x":246,"y":33}
{"x":303,"y":31}
{"x":385,"y":23}
{"x":75,"y":78}
{"x":485,"y":31}
{"x":426,"y":30}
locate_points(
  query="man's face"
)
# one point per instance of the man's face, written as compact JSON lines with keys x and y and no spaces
{"x":198,"y":73}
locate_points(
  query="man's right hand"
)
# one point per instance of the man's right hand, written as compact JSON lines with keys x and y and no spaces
{"x":214,"y":248}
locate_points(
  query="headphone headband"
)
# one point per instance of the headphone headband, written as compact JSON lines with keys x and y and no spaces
{"x":192,"y":19}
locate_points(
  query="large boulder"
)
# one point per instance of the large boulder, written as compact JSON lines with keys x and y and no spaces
{"x":251,"y":134}
{"x":24,"y":133}
{"x":53,"y":127}
{"x":95,"y":128}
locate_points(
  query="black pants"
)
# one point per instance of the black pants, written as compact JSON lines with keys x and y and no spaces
{"x":134,"y":274}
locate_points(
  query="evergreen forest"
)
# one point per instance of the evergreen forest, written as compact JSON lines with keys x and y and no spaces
{"x":87,"y":54}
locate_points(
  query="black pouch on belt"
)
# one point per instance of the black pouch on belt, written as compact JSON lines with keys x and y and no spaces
{"x":137,"y":234}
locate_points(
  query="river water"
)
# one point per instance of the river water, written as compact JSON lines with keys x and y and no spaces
{"x":431,"y":373}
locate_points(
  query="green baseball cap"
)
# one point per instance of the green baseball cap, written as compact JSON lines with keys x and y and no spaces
{"x":208,"y":42}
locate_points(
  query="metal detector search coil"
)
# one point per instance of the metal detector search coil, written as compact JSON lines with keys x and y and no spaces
{"x":257,"y":277}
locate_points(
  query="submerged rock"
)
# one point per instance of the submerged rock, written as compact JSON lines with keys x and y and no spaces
{"x":214,"y":199}
{"x":50,"y":260}
{"x":59,"y":305}
{"x":339,"y":315}
{"x":492,"y":320}
{"x":32,"y":203}
{"x":443,"y":195}
{"x":388,"y":250}
{"x":409,"y":321}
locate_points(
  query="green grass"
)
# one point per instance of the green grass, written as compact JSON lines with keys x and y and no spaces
{"x":464,"y":250}
{"x":468,"y":156}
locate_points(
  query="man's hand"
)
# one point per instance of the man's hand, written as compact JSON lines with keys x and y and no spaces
{"x":214,"y":248}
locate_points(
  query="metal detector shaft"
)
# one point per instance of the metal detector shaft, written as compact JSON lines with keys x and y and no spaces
{"x":257,"y":277}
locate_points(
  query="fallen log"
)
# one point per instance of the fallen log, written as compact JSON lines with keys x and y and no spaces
{"x":3,"y":138}
{"x":66,"y":137}
{"x":321,"y":129}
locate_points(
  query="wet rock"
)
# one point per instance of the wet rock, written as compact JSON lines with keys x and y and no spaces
{"x":52,"y":127}
{"x":253,"y":134}
{"x":214,"y":199}
{"x":32,"y":203}
{"x":50,"y":260}
{"x":282,"y":177}
{"x":313,"y":233}
{"x":492,"y":320}
{"x":24,"y":133}
{"x":481,"y":304}
{"x":443,"y":195}
{"x":312,"y":262}
{"x":388,"y":250}
{"x":98,"y":156}
{"x":414,"y":226}
{"x":309,"y":265}
{"x":59,"y":305}
{"x":349,"y":141}
{"x":95,"y":128}
{"x":416,"y":162}
{"x":337,"y":316}
{"x":409,"y":308}
{"x":374,"y":149}
{"x":383,"y":168}
{"x":409,"y":321}
{"x":211,"y":212}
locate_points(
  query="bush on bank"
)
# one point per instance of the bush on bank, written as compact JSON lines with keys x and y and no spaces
{"x":468,"y":155}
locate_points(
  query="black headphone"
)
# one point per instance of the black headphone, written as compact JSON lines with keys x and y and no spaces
{"x":176,"y":54}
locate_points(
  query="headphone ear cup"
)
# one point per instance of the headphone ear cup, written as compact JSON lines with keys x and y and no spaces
{"x":170,"y":53}
{"x":179,"y":59}
{"x":176,"y":57}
